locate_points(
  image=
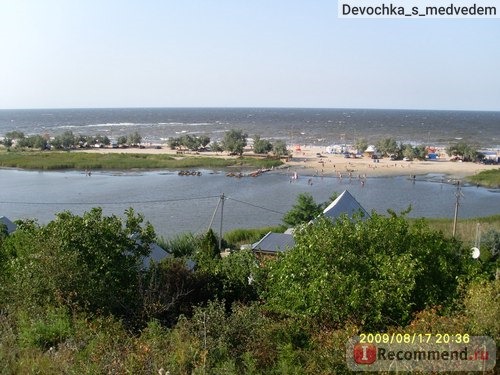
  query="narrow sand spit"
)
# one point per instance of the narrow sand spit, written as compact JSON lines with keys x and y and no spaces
{"x":313,"y":160}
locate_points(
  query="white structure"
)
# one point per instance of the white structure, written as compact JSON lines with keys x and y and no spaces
{"x":345,"y":204}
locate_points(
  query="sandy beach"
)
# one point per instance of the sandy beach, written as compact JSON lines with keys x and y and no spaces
{"x":309,"y":162}
{"x":313,"y":160}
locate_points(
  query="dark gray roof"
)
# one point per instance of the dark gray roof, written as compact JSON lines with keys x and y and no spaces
{"x":158,"y":254}
{"x":274,"y":242}
{"x":11,"y":227}
{"x":345,"y":204}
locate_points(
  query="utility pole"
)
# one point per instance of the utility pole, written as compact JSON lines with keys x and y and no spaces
{"x":221,"y":219}
{"x":458,"y":195}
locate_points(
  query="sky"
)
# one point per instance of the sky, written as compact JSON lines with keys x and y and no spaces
{"x":240,"y":53}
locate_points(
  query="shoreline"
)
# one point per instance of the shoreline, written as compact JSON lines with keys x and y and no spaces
{"x":307,"y":162}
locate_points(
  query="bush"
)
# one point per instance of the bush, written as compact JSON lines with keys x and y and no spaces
{"x":48,"y":329}
{"x":372,"y":273}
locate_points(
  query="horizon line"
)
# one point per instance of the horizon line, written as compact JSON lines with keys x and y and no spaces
{"x":252,"y":107}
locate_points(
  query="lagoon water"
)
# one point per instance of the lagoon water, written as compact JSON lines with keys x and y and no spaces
{"x":175,"y":204}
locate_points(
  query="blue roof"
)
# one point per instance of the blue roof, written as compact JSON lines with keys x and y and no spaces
{"x":274,"y":242}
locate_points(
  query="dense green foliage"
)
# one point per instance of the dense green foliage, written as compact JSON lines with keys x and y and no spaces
{"x":191,"y":142}
{"x":113,"y":161}
{"x":64,"y":141}
{"x":279,"y":148}
{"x":234,"y":141}
{"x":75,"y":296}
{"x":261,"y":146}
{"x":303,"y":211}
{"x":463,"y":150}
{"x":373,"y":272}
{"x":387,"y":146}
{"x":91,"y":262}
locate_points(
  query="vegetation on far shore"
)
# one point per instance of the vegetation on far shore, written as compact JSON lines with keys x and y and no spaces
{"x":60,"y":160}
{"x":490,"y":178}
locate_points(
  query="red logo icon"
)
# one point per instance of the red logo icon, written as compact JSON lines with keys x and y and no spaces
{"x":365,"y":354}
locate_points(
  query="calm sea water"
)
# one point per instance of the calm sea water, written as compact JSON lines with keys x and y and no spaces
{"x":304,"y":126}
{"x":176,"y":204}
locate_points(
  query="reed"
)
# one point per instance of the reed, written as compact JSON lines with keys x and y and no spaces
{"x":466,"y":228}
{"x":490,"y":178}
{"x":60,"y":160}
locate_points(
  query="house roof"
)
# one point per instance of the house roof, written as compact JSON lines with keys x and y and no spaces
{"x":345,"y":204}
{"x":274,"y":242}
{"x":158,"y":254}
{"x":11,"y":227}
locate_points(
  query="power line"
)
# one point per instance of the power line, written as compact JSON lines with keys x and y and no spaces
{"x":110,"y":203}
{"x":139,"y":202}
{"x":256,"y":206}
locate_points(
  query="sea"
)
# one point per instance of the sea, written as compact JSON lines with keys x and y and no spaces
{"x":176,"y":204}
{"x":294,"y":125}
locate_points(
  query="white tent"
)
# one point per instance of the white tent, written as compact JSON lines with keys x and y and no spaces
{"x":345,"y":204}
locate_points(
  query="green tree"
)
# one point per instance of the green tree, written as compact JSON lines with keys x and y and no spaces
{"x":279,"y":148}
{"x":361,"y":145}
{"x":375,"y":272}
{"x":261,"y":146}
{"x":216,"y":147}
{"x":208,"y":251}
{"x":134,"y":139}
{"x":90,"y":261}
{"x":387,"y":146}
{"x":122,"y":140}
{"x":408,"y":151}
{"x":234,"y":141}
{"x":7,"y":142}
{"x":204,"y":140}
{"x":14,"y":135}
{"x":104,"y":140}
{"x":463,"y":150}
{"x":65,"y":141}
{"x":420,"y":152}
{"x":174,"y":143}
{"x":304,"y":210}
{"x":190,"y":142}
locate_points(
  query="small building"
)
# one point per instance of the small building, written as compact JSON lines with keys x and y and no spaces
{"x":273,"y":243}
{"x":11,"y":227}
{"x":158,"y":254}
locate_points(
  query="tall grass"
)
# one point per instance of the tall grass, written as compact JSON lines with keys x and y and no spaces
{"x":466,"y":228}
{"x":238,"y":237}
{"x":490,"y":178}
{"x":56,"y":160}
